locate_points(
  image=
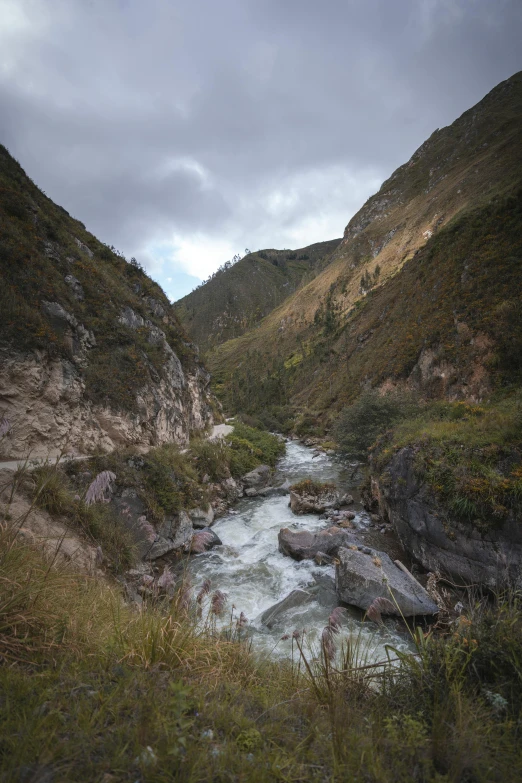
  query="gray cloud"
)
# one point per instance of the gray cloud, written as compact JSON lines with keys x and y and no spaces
{"x":221,"y":125}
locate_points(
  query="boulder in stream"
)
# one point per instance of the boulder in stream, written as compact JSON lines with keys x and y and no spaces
{"x":204,"y":540}
{"x":312,"y":497}
{"x":293,"y":600}
{"x":281,"y":614}
{"x":258,"y":477}
{"x":360,"y":578}
{"x":304,"y":545}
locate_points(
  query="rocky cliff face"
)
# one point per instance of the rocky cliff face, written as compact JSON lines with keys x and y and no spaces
{"x":92,"y":355}
{"x":45,"y":402}
{"x":490,"y":556}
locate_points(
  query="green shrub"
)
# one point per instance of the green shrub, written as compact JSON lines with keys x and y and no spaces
{"x":212,"y":457}
{"x":312,"y":487}
{"x":360,"y":424}
{"x":267,"y":446}
{"x":308,"y":424}
{"x":171,"y":481}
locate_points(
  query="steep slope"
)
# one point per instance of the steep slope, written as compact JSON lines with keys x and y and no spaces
{"x":301,"y":352}
{"x":91,"y":352}
{"x":239,"y":296}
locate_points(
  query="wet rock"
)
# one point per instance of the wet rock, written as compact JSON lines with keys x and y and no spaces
{"x":204,"y":540}
{"x":324,"y":590}
{"x":361,"y":578}
{"x":346,"y":500}
{"x":251,"y":492}
{"x":304,"y":545}
{"x":294,"y":600}
{"x":322,"y":559}
{"x":258,"y":477}
{"x":268,"y":492}
{"x":301,"y":503}
{"x":173,"y":534}
{"x":202,"y":517}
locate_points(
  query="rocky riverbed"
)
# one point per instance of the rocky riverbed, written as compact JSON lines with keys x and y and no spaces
{"x":280,"y":593}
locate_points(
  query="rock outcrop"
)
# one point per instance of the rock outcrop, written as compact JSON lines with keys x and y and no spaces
{"x":175,"y":533}
{"x":303,"y":503}
{"x":360,"y":578}
{"x":491,"y":557}
{"x":257,"y":478}
{"x":44,"y":400}
{"x":202,"y":517}
{"x":304,"y":545}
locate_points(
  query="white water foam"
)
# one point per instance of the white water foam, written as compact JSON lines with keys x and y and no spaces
{"x":255,"y":575}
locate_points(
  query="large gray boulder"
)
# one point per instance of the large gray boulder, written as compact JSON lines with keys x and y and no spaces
{"x":204,"y":540}
{"x":491,"y":556}
{"x":174,"y":533}
{"x":258,"y":477}
{"x":361,"y":578}
{"x":294,"y":600}
{"x":304,"y":545}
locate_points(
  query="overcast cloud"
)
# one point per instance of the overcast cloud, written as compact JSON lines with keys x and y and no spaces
{"x":184,"y":131}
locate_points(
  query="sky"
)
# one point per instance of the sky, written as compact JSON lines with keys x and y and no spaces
{"x":185,"y":131}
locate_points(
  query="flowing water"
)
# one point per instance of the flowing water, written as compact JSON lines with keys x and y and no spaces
{"x":252,"y":572}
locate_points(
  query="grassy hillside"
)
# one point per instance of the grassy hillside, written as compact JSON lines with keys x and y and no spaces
{"x":238,"y":297}
{"x":449,"y":322}
{"x":425,"y":285}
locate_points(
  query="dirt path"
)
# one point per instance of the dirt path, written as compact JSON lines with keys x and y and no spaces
{"x":220,"y":431}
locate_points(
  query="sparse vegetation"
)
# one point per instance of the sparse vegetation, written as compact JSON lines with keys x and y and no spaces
{"x":470,"y":455}
{"x":312,"y":487}
{"x":98,"y":522}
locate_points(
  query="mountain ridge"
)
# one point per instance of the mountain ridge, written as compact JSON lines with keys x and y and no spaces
{"x":236,"y":298}
{"x":459,"y":169}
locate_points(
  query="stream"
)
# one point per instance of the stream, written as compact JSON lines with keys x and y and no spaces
{"x":249,"y":568}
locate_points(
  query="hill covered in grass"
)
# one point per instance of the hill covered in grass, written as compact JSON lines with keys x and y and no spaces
{"x":91,"y":353}
{"x":237,"y":297}
{"x":423,"y":291}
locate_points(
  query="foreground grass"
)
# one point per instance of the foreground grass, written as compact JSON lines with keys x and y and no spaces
{"x":93,"y":690}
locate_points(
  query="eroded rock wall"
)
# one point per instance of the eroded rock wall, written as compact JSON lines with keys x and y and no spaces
{"x":490,"y":556}
{"x":45,"y":402}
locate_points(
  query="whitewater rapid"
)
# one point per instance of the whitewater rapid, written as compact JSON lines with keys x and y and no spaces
{"x":249,"y":568}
